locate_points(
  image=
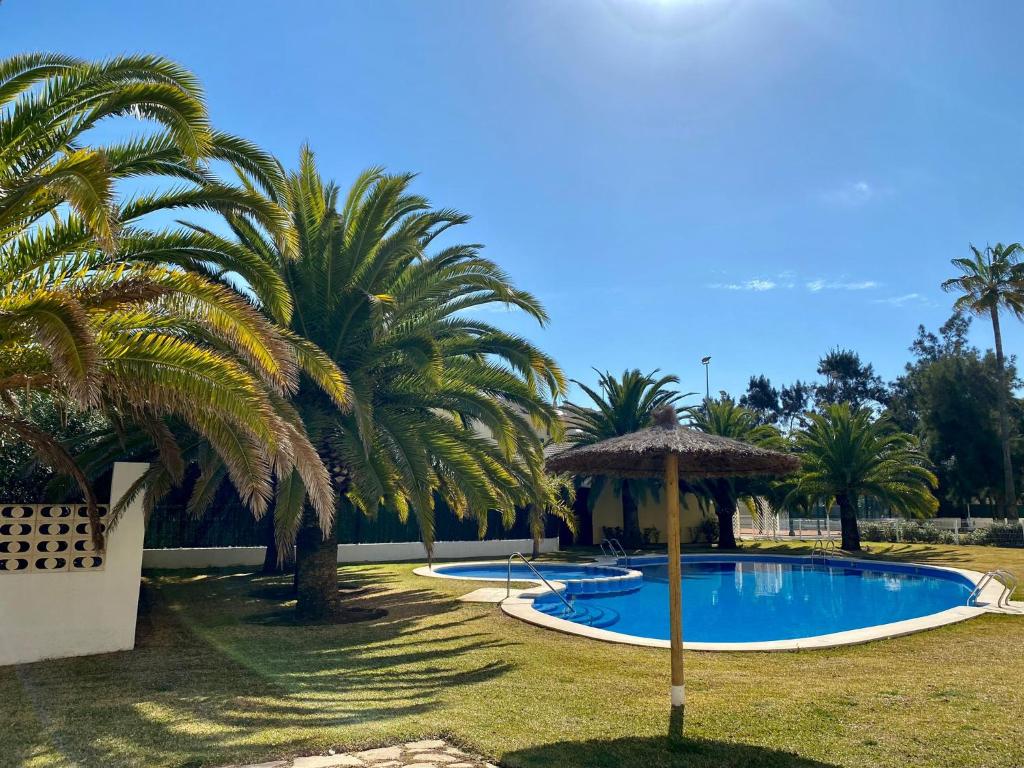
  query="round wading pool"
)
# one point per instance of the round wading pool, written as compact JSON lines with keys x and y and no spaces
{"x":755,"y":602}
{"x":577,"y":579}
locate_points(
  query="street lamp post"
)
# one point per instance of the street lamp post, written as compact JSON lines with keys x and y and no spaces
{"x":706,"y":362}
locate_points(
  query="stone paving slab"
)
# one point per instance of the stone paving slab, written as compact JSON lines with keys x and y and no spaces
{"x":426,"y":753}
{"x":489,"y":595}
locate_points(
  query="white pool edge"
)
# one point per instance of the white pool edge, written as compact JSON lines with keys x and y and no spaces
{"x":428,"y":570}
{"x":521,"y":607}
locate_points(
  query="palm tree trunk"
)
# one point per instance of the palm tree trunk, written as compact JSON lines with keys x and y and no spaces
{"x":848,"y":522}
{"x":630,"y":518}
{"x":585,"y":534}
{"x":316,"y":570}
{"x":535,"y":516}
{"x":725,"y":508}
{"x":1009,"y":503}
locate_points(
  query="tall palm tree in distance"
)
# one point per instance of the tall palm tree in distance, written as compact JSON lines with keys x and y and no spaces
{"x":622,"y":405}
{"x":991,"y":281}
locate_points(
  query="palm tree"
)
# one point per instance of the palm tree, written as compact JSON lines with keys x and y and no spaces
{"x":101,"y":311}
{"x":848,"y":455}
{"x":622,"y":406}
{"x":553,"y":497}
{"x":49,"y":101}
{"x":441,"y":404}
{"x":990,"y":281}
{"x":727,"y":419}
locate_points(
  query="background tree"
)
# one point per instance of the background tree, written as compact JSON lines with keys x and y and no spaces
{"x":24,"y":475}
{"x":725,"y":418}
{"x":947,"y":396}
{"x":848,"y":454}
{"x":762,"y":399}
{"x":991,"y":281}
{"x":848,"y":380}
{"x":620,"y":406}
{"x":794,"y":400}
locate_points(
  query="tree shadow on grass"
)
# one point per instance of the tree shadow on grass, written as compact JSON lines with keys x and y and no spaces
{"x":279,"y":591}
{"x":917,"y":553}
{"x":364,"y":598}
{"x":655,"y":752}
{"x":204,"y":682}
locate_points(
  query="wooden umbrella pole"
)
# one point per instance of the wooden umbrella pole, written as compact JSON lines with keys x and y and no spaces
{"x":675,"y":580}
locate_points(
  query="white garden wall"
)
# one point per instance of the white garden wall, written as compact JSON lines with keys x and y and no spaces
{"x":222,"y":557}
{"x":63,"y":604}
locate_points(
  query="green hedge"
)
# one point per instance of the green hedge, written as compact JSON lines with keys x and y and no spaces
{"x":914,"y":532}
{"x":997,"y":535}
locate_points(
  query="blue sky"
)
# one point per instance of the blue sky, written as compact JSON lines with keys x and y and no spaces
{"x":756,"y":181}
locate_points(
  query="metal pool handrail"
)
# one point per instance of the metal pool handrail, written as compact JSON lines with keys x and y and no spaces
{"x":824,"y":546}
{"x":612,"y":543}
{"x":508,"y":582}
{"x":1003,"y":577}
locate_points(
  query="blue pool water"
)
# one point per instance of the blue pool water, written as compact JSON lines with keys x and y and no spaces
{"x":579,"y":579}
{"x":756,"y":599}
{"x":552,"y":571}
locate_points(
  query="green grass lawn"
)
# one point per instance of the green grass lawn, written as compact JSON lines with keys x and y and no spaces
{"x":215,"y":679}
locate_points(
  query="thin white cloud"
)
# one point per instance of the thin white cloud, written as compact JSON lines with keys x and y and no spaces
{"x":757,"y":284}
{"x":814,"y":286}
{"x":789,"y":281}
{"x":907,"y":298}
{"x":491,"y":308}
{"x":852,"y":194}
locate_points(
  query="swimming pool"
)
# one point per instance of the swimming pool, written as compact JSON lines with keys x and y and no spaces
{"x":762,"y":602}
{"x":576,"y":578}
{"x":742,"y":600}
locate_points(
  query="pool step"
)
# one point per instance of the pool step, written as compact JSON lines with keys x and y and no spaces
{"x":619,"y":584}
{"x":583,"y":613}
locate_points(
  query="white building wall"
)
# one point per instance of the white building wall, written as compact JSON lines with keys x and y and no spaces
{"x":46,"y":615}
{"x":607,"y":512}
{"x":223,"y":557}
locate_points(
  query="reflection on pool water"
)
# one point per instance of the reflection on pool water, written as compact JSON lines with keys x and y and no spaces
{"x":755,"y":599}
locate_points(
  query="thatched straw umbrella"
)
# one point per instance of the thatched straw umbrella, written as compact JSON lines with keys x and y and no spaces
{"x":669,"y":450}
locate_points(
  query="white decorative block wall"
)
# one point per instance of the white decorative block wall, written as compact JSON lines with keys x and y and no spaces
{"x":48,"y":537}
{"x":58,"y":595}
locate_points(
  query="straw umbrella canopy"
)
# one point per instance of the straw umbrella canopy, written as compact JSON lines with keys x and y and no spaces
{"x":669,"y":450}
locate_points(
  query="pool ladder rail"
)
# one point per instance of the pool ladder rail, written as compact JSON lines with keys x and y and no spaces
{"x":824,"y":548}
{"x":539,"y":575}
{"x":1002,"y":577}
{"x":612,"y":552}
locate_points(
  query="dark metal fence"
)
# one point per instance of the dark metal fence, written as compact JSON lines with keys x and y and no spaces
{"x":229,"y":524}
